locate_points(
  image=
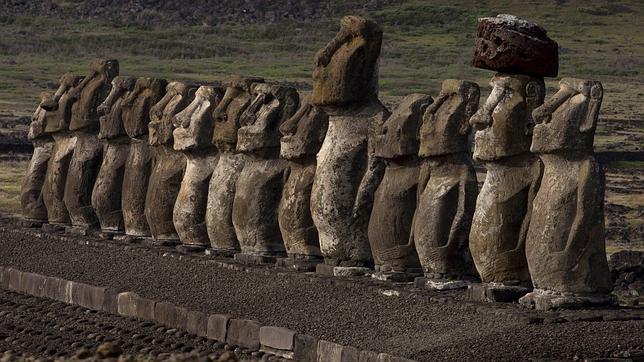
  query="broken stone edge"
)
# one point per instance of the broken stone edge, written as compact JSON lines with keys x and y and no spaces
{"x":247,"y":334}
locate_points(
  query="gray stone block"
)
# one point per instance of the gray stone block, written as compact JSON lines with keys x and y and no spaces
{"x":218,"y":326}
{"x":126,"y":304}
{"x":110,"y":302}
{"x":4,"y":278}
{"x":277,"y":338}
{"x":197,"y":323}
{"x":57,"y":289}
{"x":383,"y":357}
{"x":333,"y":352}
{"x":305,"y":348}
{"x":145,"y":309}
{"x":15,"y":280}
{"x":87,"y":296}
{"x":171,"y":315}
{"x":33,"y":284}
{"x":243,"y":333}
{"x":368,"y":356}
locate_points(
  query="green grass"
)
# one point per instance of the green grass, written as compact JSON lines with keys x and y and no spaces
{"x":11,"y":175}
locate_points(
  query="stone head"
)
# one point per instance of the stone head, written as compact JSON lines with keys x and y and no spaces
{"x":111,"y":110}
{"x":567,"y":120}
{"x":194,"y":124}
{"x":303,"y":133}
{"x":398,"y":136}
{"x":91,"y":92}
{"x":271,"y":106}
{"x":228,"y":112}
{"x":146,"y":93}
{"x":445,"y":127}
{"x":177,"y":96}
{"x":504,"y":123}
{"x":58,"y":106}
{"x":37,"y":125}
{"x":346,"y":69}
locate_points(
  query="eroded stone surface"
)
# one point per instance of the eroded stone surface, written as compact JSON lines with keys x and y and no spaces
{"x":221,"y":191}
{"x":508,"y":44}
{"x":448,"y":185}
{"x":395,"y":198}
{"x":565,"y":244}
{"x":504,"y":204}
{"x":347,"y":174}
{"x":192,"y":136}
{"x":303,"y":135}
{"x":260,"y":183}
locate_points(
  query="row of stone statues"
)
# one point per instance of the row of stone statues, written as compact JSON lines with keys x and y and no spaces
{"x":334,"y":181}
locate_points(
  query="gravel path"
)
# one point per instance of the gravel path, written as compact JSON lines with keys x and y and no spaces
{"x":412,"y":325}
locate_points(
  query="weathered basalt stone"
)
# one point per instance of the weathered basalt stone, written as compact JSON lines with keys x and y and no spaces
{"x":221,"y":191}
{"x":447,"y":186}
{"x":88,"y":152}
{"x":504,"y":204}
{"x":394,"y":202}
{"x":260,"y":183}
{"x":57,"y":117}
{"x":146,"y":93}
{"x":347,"y":174}
{"x":303,"y":135}
{"x":508,"y":44}
{"x":106,"y":195}
{"x":31,"y":198}
{"x":169,"y":165}
{"x":565,"y":244}
{"x":192,"y":136}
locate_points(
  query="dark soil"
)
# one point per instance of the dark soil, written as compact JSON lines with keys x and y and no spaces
{"x":419,"y":325}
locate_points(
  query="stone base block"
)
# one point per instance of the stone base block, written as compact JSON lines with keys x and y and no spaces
{"x":243,"y":333}
{"x":341,"y":271}
{"x":217,"y":328}
{"x":171,"y":315}
{"x":500,"y":293}
{"x":302,"y":265}
{"x":30,"y":223}
{"x":105,"y":234}
{"x":79,"y":230}
{"x":53,"y":228}
{"x":191,"y":248}
{"x":254,"y":259}
{"x":221,"y":253}
{"x":547,"y":300}
{"x":395,"y":277}
{"x":441,"y":284}
{"x":167,"y":242}
{"x":129,"y":239}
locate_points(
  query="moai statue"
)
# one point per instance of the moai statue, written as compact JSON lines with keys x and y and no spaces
{"x":345,"y":85}
{"x":221,"y":192}
{"x":58,"y":111}
{"x":565,"y":244}
{"x":169,"y":164}
{"x":146,"y":93}
{"x":302,"y":137}
{"x":447,"y":188}
{"x":192,"y":136}
{"x":106,"y":196}
{"x":502,"y":142}
{"x":394,"y":202}
{"x":88,"y":151}
{"x":31,"y":197}
{"x":260,"y":183}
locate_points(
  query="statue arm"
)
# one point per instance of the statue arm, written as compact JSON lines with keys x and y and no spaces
{"x":590,"y":202}
{"x":532,"y":192}
{"x":368,"y":185}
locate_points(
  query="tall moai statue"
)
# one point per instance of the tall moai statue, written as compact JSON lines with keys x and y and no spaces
{"x":58,"y":113}
{"x":106,"y":196}
{"x":169,"y":165}
{"x":302,"y":137}
{"x":33,"y":206}
{"x":221,"y":192}
{"x":394,"y":202}
{"x":447,"y":188}
{"x":146,"y":93}
{"x":192,"y":136}
{"x":259,"y":187}
{"x":525,"y":54}
{"x":565,"y":245}
{"x":88,"y":152}
{"x":345,"y":85}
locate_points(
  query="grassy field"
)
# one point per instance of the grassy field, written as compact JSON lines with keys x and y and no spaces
{"x":423,"y":44}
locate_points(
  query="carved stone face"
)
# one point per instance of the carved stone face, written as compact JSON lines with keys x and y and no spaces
{"x":228,"y":112}
{"x":146,"y":93}
{"x":178,"y":95}
{"x":446,"y":122}
{"x":194,"y":125}
{"x":58,"y":107}
{"x":567,"y":120}
{"x":399,"y":133}
{"x":504,"y":123}
{"x":37,"y":125}
{"x":347,"y":67}
{"x":111,"y":110}
{"x":303,"y":133}
{"x":272,"y":105}
{"x":91,"y":92}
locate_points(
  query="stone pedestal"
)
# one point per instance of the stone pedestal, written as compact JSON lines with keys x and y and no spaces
{"x":496,"y":292}
{"x":550,"y":300}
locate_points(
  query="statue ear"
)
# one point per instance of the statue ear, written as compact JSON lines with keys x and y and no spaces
{"x":590,"y":121}
{"x":534,"y":98}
